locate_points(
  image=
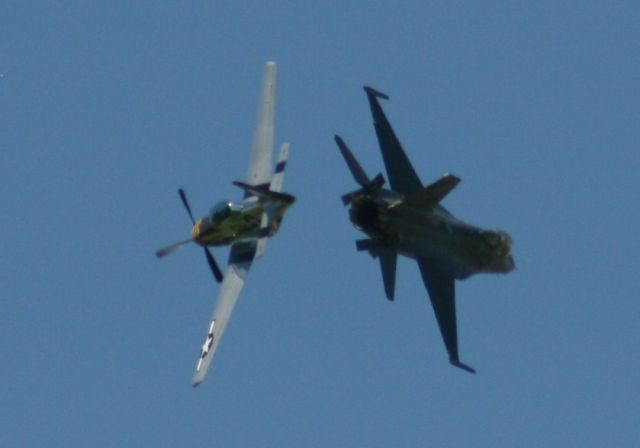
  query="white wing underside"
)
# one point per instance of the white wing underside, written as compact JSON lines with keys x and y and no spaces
{"x":261,"y":161}
{"x":230,"y":289}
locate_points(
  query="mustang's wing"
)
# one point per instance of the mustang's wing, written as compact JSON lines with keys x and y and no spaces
{"x":441,"y":288}
{"x":240,"y":259}
{"x":261,"y":161}
{"x":402,"y":176}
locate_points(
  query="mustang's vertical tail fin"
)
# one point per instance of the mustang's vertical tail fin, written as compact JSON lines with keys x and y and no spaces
{"x":277,"y":180}
{"x":265,"y":227}
{"x":388,"y":261}
{"x":271,"y":195}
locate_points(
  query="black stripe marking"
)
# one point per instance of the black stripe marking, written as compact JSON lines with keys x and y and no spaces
{"x":281,"y":166}
{"x":242,"y":252}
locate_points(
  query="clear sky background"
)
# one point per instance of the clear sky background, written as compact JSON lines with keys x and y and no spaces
{"x":106,"y":108}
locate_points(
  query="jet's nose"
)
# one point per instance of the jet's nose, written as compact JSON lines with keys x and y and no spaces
{"x":505,"y":238}
{"x":510,"y":264}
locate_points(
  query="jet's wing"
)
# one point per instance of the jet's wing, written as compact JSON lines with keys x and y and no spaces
{"x":402,"y":176}
{"x":441,"y":288}
{"x":261,"y":161}
{"x":240,"y":259}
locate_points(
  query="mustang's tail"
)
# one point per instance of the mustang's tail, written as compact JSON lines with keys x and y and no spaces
{"x":278,"y":176}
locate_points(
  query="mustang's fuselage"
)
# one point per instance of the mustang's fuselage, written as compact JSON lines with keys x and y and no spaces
{"x":229,"y":222}
{"x":432,"y":234}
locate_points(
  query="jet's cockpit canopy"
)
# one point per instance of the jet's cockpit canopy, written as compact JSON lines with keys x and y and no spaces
{"x":220,"y":211}
{"x":497,"y":238}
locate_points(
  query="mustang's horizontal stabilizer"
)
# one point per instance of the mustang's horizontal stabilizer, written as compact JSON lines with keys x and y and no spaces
{"x":430,"y":196}
{"x":262,"y":191}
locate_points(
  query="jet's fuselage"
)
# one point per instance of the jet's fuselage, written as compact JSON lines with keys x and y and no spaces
{"x":432,"y":234}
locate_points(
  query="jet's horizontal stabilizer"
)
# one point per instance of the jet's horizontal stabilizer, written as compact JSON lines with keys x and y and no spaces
{"x":376,"y":93}
{"x":462,"y":366}
{"x":262,"y":191}
{"x":388,"y":262}
{"x":430,"y":196}
{"x":369,"y":245}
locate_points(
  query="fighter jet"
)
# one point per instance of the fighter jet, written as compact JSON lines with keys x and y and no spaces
{"x":244,"y":225}
{"x":409,"y":220}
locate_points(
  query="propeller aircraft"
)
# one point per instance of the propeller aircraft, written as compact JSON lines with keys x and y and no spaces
{"x":408,"y":220}
{"x":245,"y":225}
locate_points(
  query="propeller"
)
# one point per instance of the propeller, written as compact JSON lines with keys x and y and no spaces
{"x":172,"y":248}
{"x":213,"y":265}
{"x":215,"y":270}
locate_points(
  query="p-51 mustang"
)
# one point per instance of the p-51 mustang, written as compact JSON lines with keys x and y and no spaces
{"x":244,"y":225}
{"x":409,"y":220}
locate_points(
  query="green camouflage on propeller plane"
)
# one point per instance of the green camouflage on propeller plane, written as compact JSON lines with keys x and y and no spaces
{"x":244,"y":225}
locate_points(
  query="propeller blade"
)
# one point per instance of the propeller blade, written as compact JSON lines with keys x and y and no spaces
{"x":213,"y":265}
{"x":172,"y":248}
{"x":215,"y":270}
{"x":183,"y":196}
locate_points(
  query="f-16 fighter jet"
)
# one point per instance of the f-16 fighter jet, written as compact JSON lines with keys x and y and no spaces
{"x":409,"y":220}
{"x":245,"y":225}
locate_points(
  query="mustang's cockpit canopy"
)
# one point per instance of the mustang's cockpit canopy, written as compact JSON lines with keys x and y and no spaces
{"x":220,"y":211}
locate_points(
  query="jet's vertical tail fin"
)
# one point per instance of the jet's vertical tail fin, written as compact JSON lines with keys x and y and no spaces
{"x":277,"y":180}
{"x":356,"y":170}
{"x":359,"y":175}
{"x":388,"y":262}
{"x":402,"y":176}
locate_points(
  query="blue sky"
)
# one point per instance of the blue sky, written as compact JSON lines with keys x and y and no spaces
{"x":106,"y":108}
